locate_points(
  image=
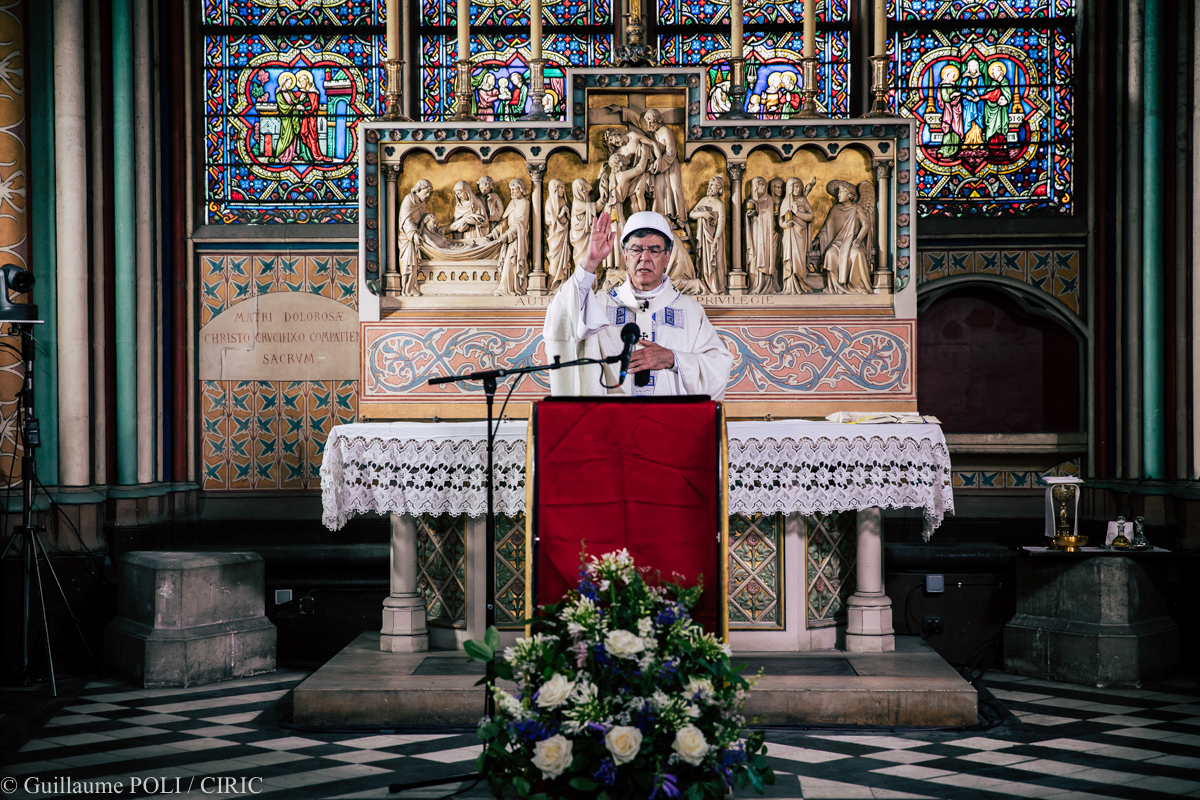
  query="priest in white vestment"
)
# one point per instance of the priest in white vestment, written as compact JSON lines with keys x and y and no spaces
{"x":679,"y":346}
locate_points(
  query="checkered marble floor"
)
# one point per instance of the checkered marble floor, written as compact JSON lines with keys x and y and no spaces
{"x":1054,"y":740}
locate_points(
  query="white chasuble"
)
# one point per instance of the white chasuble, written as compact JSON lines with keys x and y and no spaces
{"x":583,"y":324}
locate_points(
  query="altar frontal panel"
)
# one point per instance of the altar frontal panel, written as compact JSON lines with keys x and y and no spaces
{"x":779,"y":368}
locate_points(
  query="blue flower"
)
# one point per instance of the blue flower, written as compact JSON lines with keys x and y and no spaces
{"x":670,"y":614}
{"x":532,"y":730}
{"x":664,"y":785}
{"x":607,"y":774}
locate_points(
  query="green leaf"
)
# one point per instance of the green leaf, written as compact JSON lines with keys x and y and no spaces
{"x":523,"y":786}
{"x":487,"y":731}
{"x":604,"y":796}
{"x":755,"y":780}
{"x":583,"y":784}
{"x":478,"y":651}
{"x":492,"y":638}
{"x":503,"y":669}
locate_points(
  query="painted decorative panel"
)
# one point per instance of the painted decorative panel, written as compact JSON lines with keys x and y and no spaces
{"x":516,"y":14}
{"x":1055,"y":272}
{"x":773,"y":80}
{"x":14,"y":243}
{"x":230,"y":279}
{"x":441,"y":567}
{"x":756,"y":596}
{"x":500,"y":72}
{"x":985,"y":480}
{"x":826,"y":360}
{"x":994,"y":106}
{"x":260,"y":434}
{"x":829,"y":566}
{"x":281,"y":115}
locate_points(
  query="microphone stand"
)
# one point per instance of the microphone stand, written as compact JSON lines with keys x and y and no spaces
{"x":489,"y":378}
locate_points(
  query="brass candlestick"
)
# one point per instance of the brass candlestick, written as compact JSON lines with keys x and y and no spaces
{"x":879,"y":88}
{"x":537,"y":92}
{"x":393,"y":97}
{"x":737,"y":91}
{"x":462,"y":92}
{"x":634,"y":52}
{"x":808,"y":95}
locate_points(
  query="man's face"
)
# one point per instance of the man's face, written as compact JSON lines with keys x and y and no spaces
{"x":714,"y":188}
{"x":652,"y":121}
{"x":423,"y":191}
{"x":485,"y":185}
{"x":646,"y":259}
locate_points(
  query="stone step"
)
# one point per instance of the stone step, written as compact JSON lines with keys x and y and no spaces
{"x":910,"y":687}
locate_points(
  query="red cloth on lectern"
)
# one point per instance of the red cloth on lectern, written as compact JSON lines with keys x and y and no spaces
{"x":633,"y":474}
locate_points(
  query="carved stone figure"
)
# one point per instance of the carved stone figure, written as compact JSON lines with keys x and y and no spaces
{"x":795,"y":214}
{"x":414,"y":218}
{"x":638,"y":149}
{"x":618,"y":178}
{"x":512,"y":265}
{"x":558,"y":229}
{"x":666,"y":172}
{"x":491,"y":201}
{"x":583,"y":214}
{"x":709,"y":214}
{"x":846,"y":237}
{"x":470,"y":214}
{"x":760,"y":239}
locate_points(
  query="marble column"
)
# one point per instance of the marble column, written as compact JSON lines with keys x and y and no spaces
{"x":99,"y":192}
{"x":391,"y":274}
{"x":144,"y":194}
{"x":1129,"y":376}
{"x":124,"y":243}
{"x":1154,"y":413}
{"x":869,"y":610}
{"x":738,"y":282}
{"x":1194,"y":467}
{"x":882,"y":277}
{"x":71,"y":245}
{"x":404,"y":609}
{"x":537,"y":275}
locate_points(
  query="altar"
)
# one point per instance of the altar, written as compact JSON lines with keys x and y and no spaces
{"x":790,"y":481}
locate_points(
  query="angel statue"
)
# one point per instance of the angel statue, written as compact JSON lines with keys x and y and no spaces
{"x":846,"y":238}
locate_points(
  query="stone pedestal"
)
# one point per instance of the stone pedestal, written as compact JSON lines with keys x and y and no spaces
{"x":403,"y":628}
{"x":187,"y":619}
{"x":869,"y":609}
{"x":1091,"y":619}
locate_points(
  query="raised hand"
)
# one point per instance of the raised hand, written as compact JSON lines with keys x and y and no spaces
{"x":600,"y":244}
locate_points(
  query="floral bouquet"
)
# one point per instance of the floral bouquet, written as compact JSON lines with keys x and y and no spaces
{"x":621,"y":695}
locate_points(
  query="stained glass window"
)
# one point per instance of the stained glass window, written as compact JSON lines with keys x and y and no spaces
{"x":990,"y":84}
{"x":576,"y":33}
{"x":284,"y":91}
{"x":696,"y":32}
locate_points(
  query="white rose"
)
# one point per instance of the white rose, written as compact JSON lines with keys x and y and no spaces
{"x":623,"y":742}
{"x":690,"y":744}
{"x":552,"y":756}
{"x":623,"y":644}
{"x":554,"y":692}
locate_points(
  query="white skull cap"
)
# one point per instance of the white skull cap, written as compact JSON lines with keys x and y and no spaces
{"x":647,"y":219}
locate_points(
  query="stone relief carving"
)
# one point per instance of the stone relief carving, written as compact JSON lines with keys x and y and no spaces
{"x":558,"y":229}
{"x":795,"y":215}
{"x":846,"y":239}
{"x":513,"y":235}
{"x":761,"y":242}
{"x":709,"y":215}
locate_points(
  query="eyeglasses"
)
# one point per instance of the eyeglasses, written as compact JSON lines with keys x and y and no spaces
{"x":637,"y":250}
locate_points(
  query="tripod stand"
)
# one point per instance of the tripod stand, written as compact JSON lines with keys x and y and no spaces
{"x":489,"y":378}
{"x":31,"y":543}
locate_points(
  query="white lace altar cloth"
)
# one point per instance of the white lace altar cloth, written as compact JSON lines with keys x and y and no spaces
{"x":782,"y":465}
{"x":419,"y":468}
{"x":822,"y":467}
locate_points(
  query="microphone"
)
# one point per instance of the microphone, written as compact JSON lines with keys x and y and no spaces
{"x":630,"y":334}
